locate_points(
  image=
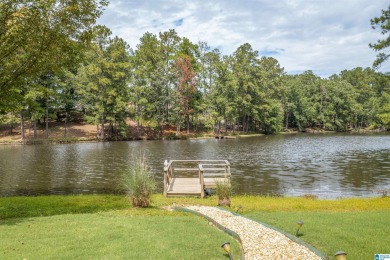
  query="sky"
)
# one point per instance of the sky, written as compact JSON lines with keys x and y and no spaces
{"x":325,"y":36}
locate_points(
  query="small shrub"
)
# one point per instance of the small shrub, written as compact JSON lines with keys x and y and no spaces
{"x":139,"y":184}
{"x":224,"y":192}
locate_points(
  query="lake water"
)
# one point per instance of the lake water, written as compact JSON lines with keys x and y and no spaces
{"x":325,"y":165}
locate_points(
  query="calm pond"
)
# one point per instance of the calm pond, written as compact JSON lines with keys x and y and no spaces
{"x":326,"y":165}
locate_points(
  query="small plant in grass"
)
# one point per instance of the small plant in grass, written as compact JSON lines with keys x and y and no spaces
{"x":224,"y":192}
{"x":139,"y":184}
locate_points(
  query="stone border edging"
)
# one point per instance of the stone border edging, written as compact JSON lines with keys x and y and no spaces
{"x":236,"y":236}
{"x":292,"y":237}
{"x":224,"y":229}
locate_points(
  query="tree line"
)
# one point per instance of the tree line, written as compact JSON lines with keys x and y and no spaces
{"x":57,"y":64}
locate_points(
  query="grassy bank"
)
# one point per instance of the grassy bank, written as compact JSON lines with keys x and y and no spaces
{"x":103,"y":226}
{"x":22,"y":207}
{"x":360,"y":234}
{"x":112,"y":235}
{"x":357,"y":226}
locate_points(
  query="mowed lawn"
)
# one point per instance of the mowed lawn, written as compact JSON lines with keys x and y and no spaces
{"x":112,"y":235}
{"x":360,"y":234}
{"x":358,"y":226}
{"x":105,"y":226}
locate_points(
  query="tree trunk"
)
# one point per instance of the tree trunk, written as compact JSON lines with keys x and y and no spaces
{"x":111,"y":132}
{"x":115,"y":130}
{"x":287,"y":114}
{"x":178,"y":129}
{"x":158,"y":128}
{"x":11,"y":127}
{"x":243,"y":124}
{"x":138,"y":134}
{"x":22,"y":127}
{"x":188,"y":123}
{"x":226,"y":124}
{"x":47,"y":123}
{"x":167,"y":113}
{"x":66,"y":124}
{"x":102,"y":126}
{"x":29,"y":129}
{"x":35,"y":129}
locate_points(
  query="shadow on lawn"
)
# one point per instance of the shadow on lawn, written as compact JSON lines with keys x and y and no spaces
{"x":13,"y":221}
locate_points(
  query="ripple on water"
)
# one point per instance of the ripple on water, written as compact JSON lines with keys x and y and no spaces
{"x":329,"y":164}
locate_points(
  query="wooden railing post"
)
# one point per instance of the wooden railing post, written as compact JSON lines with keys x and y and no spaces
{"x":165,"y":181}
{"x":201,"y":179}
{"x":208,"y":172}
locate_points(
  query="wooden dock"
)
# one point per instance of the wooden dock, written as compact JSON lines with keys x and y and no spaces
{"x":192,"y":177}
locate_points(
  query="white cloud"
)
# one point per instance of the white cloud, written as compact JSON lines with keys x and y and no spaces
{"x":326,"y":36}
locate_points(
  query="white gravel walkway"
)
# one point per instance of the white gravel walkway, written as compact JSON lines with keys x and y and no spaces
{"x":258,"y":241}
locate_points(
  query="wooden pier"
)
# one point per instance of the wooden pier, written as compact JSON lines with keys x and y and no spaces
{"x":192,"y":177}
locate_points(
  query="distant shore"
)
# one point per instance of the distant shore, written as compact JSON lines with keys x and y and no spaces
{"x":81,"y":132}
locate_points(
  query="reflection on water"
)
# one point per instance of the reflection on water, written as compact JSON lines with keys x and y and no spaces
{"x":327,"y":165}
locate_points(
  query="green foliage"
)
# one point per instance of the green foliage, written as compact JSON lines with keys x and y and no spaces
{"x":383,"y":22}
{"x":166,"y":80}
{"x":102,"y":83}
{"x":37,"y":36}
{"x":139,"y":183}
{"x":350,"y":100}
{"x":223,"y":189}
{"x":152,"y":85}
{"x":9,"y":119}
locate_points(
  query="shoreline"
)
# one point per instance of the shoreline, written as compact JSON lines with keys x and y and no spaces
{"x":5,"y":140}
{"x":249,"y":201}
{"x":378,"y":194}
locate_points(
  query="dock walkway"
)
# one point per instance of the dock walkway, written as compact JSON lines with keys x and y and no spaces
{"x":192,"y":177}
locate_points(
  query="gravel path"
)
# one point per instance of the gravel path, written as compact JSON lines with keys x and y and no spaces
{"x":258,"y":241}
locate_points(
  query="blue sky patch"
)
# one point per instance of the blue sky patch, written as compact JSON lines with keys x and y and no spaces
{"x":271,"y":52}
{"x":178,"y":22}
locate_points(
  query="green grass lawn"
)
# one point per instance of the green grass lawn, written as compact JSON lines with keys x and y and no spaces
{"x":358,"y":226}
{"x":105,"y":226}
{"x":113,"y":235}
{"x":20,"y":207}
{"x":360,"y":234}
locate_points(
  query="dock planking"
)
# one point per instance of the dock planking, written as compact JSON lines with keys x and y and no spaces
{"x":184,"y":186}
{"x":192,"y":177}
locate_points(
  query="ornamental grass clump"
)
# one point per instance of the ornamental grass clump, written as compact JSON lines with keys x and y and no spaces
{"x":223,"y":190}
{"x":139,"y":184}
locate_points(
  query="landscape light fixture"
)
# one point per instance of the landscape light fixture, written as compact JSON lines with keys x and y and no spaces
{"x":226,"y":247}
{"x":239,"y":207}
{"x":299,"y":225}
{"x":340,"y":255}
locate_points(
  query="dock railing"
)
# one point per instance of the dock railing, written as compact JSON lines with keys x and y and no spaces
{"x":208,"y":172}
